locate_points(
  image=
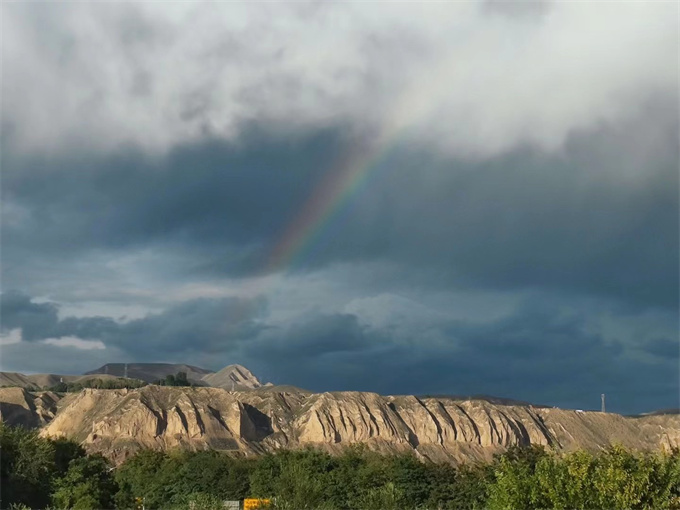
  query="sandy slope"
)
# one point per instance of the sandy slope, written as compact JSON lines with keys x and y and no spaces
{"x":119,"y":422}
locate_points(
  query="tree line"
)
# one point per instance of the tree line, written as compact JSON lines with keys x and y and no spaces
{"x":178,"y":379}
{"x":102,"y":384}
{"x":46,"y":473}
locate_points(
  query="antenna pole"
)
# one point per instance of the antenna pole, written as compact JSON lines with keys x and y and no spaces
{"x":603,"y":407}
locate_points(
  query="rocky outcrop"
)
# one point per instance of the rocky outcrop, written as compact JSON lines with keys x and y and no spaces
{"x":119,"y":422}
{"x":230,"y":377}
{"x":20,"y":407}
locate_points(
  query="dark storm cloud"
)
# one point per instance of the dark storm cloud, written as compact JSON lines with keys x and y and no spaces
{"x":664,"y":348}
{"x":599,"y":219}
{"x":316,"y":335}
{"x":205,"y":325}
{"x":540,"y":353}
{"x":146,"y":160}
{"x":215,"y":195}
{"x":37,"y":320}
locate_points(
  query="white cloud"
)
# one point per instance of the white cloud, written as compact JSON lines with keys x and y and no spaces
{"x":11,"y":337}
{"x":72,"y":341}
{"x":459,"y":76}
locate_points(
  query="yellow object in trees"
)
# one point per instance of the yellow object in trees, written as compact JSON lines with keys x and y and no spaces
{"x":253,"y":503}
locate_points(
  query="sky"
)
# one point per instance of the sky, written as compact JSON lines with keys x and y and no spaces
{"x":405,"y":198}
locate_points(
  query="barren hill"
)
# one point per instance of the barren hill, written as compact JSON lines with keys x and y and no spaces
{"x":119,"y":422}
{"x":233,"y":376}
{"x":20,"y":407}
{"x":151,"y":372}
{"x":16,"y":379}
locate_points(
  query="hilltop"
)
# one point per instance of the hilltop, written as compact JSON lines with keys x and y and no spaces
{"x":118,"y":423}
{"x":231,"y":377}
{"x":231,"y":410}
{"x":150,"y":372}
{"x":15,"y":379}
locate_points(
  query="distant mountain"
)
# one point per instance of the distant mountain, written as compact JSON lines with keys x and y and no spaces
{"x":118,"y":423}
{"x":235,"y":377}
{"x":261,"y":418}
{"x":15,"y":379}
{"x":151,"y":372}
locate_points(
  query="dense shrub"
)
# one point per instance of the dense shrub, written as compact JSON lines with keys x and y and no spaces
{"x":39,"y":472}
{"x":87,"y":484}
{"x":30,"y":465}
{"x":179,"y":379}
{"x":97,"y":383}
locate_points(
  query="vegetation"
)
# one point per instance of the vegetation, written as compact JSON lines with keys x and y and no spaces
{"x":180,"y":379}
{"x":38,"y":473}
{"x":102,"y":384}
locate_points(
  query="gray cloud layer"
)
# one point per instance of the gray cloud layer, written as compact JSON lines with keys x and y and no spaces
{"x":541,"y":352}
{"x":583,"y":221}
{"x":516,"y":232}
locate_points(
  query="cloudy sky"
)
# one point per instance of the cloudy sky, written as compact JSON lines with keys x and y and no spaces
{"x":460,"y":198}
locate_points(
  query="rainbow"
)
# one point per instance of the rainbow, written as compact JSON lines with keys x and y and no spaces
{"x":338,"y":187}
{"x":323,"y":205}
{"x":329,"y":198}
{"x":351,"y":172}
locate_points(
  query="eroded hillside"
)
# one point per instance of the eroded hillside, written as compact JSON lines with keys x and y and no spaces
{"x":119,"y":422}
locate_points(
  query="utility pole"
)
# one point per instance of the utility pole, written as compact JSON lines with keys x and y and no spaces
{"x":603,"y":408}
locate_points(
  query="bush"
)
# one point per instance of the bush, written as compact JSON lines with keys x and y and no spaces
{"x":87,"y":485}
{"x":35,"y":468}
{"x":30,"y":465}
{"x":179,"y":379}
{"x":97,"y":383}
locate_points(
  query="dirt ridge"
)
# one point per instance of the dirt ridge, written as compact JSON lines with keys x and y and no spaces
{"x":120,"y":422}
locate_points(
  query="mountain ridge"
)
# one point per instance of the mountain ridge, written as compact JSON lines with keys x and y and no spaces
{"x":233,"y":377}
{"x":117,"y":423}
{"x":150,"y":372}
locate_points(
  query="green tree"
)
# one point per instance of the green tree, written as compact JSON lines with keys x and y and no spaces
{"x":264,"y":476}
{"x":443,"y":488}
{"x":199,"y":501}
{"x":140,"y":476}
{"x":412,"y":479}
{"x":181,"y":379}
{"x":515,"y":485}
{"x":65,"y":450}
{"x":385,"y":497}
{"x":620,"y":478}
{"x":297,"y":479}
{"x":26,"y":467}
{"x":664,"y":482}
{"x":87,"y":485}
